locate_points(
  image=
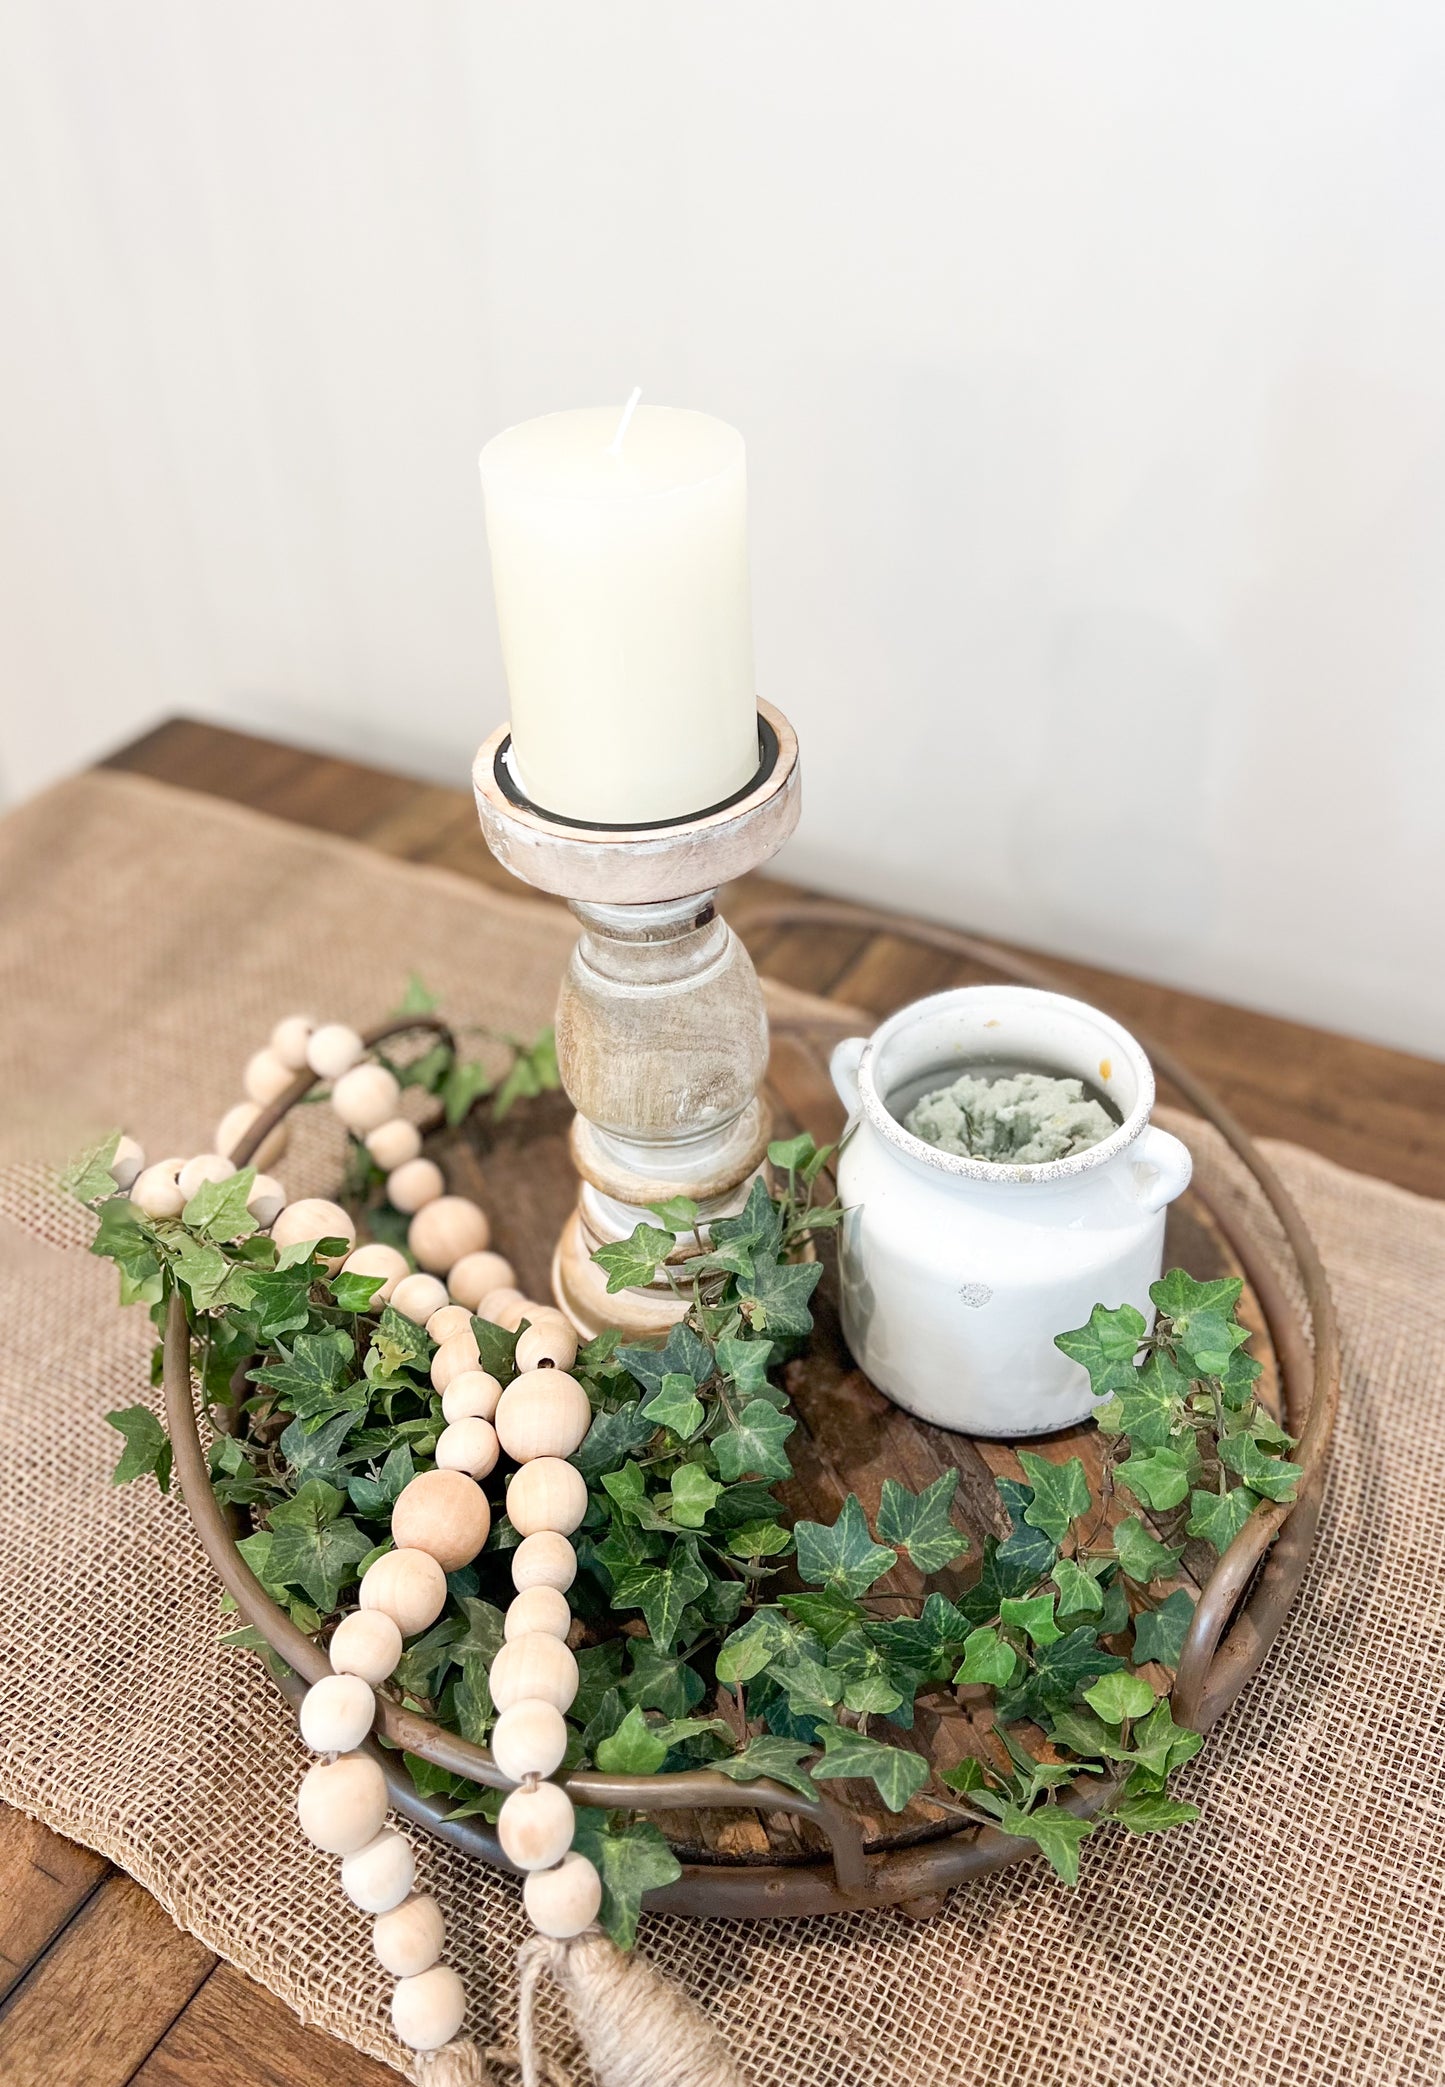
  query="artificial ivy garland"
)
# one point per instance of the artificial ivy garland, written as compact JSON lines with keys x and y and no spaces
{"x":727,"y":1660}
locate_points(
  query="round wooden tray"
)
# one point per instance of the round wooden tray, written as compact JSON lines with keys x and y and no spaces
{"x":756,"y":1849}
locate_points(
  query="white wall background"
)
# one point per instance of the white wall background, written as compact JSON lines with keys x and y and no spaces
{"x":1091,"y":361}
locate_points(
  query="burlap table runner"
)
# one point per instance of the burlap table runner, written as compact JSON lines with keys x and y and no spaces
{"x":148,"y":939}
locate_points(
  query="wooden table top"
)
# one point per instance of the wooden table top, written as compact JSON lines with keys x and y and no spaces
{"x":97,"y":1987}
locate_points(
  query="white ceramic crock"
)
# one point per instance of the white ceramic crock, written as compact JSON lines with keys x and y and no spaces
{"x":957,"y":1272}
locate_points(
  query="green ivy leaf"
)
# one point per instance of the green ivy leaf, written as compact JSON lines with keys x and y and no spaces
{"x":754,"y":1447}
{"x":633,"y":1749}
{"x":1159,"y":1634}
{"x":635,"y":1259}
{"x":775,"y":1298}
{"x":416,"y":1000}
{"x":683,"y":1354}
{"x":218,"y":1208}
{"x":465,"y":1084}
{"x":313,"y":1546}
{"x":1061,"y":1492}
{"x":1217,"y":1518}
{"x":693,"y":1495}
{"x":353,"y":1292}
{"x":1160,"y":1746}
{"x":1059,"y":1670}
{"x":1035,"y":1617}
{"x":1079,"y":1590}
{"x":1121,"y":1695}
{"x":375,"y":1497}
{"x":745,"y":1362}
{"x":758,"y":1227}
{"x":843,"y":1557}
{"x":660,"y":1680}
{"x":1152,"y":1812}
{"x":314,"y":1453}
{"x":826,"y":1615}
{"x":1201,"y":1318}
{"x":147,"y":1446}
{"x":398,"y":1347}
{"x":1160,"y":1478}
{"x":311,"y":1377}
{"x":776,"y":1758}
{"x":763,"y":1539}
{"x":1272,"y":1476}
{"x":89,"y":1178}
{"x":919,"y":1522}
{"x":1027,"y":1553}
{"x":987,"y":1660}
{"x":679,"y":1214}
{"x":662,"y":1592}
{"x":496,"y":1349}
{"x":767,"y":1635}
{"x":1150,"y":1410}
{"x":279,"y":1303}
{"x":895,"y":1774}
{"x":631,"y":1858}
{"x":1106,"y":1347}
{"x":675,"y":1405}
{"x":1141,"y":1556}
{"x":1056,"y":1832}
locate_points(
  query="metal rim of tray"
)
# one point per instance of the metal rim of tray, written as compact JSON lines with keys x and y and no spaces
{"x":1226,"y":1643}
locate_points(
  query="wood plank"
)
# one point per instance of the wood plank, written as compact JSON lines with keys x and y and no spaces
{"x":103,"y":1995}
{"x":236,"y":2034}
{"x":44,"y":1881}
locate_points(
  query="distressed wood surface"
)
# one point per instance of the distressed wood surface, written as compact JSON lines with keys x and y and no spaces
{"x":199,"y":2024}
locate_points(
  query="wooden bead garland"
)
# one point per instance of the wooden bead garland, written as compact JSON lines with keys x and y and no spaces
{"x":419,"y":1298}
{"x":475,"y":1276}
{"x":445,"y":1230}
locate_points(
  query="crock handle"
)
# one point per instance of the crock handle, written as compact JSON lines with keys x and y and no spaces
{"x":843,"y":1065}
{"x":1162,"y":1167}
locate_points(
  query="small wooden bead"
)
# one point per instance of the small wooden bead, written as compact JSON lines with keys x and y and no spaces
{"x":206,"y":1166}
{"x":452,"y":1318}
{"x":408,"y":1586}
{"x":365,"y":1097}
{"x":446,"y":1230}
{"x":267,"y":1200}
{"x":126,"y":1162}
{"x":379,"y":1876}
{"x":409,"y":1938}
{"x":337,"y":1712}
{"x":311,"y":1219}
{"x":546,"y":1494}
{"x":445,"y":1513}
{"x":456,"y":1354}
{"x":535,"y":1826}
{"x":414,"y":1184}
{"x":550,"y":1339}
{"x":342,"y":1804}
{"x":545,"y":1413}
{"x":376,"y":1259}
{"x":235,"y":1125}
{"x":475,"y":1276}
{"x":468,"y":1445}
{"x":428,"y":2010}
{"x":504,"y":1307}
{"x":564,"y":1900}
{"x":417,"y":1297}
{"x":366,"y":1643}
{"x":536,"y":1666}
{"x":154,"y":1190}
{"x":332,"y":1050}
{"x":471,"y":1396}
{"x":265,"y":1078}
{"x":530,"y":1738}
{"x":544,"y":1559}
{"x":393,"y":1143}
{"x":543,"y":1609}
{"x":289,"y":1039}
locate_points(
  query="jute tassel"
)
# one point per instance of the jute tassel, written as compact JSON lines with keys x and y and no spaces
{"x":637,"y":2028}
{"x":458,"y":2064}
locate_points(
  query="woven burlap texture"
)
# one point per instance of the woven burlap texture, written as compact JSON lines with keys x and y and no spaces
{"x":1296,"y":1934}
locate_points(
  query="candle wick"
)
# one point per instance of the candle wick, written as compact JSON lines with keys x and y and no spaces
{"x":615,"y":445}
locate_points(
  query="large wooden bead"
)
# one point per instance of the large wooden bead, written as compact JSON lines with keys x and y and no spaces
{"x":409,"y":1938}
{"x":311,"y":1219}
{"x":289,"y":1039}
{"x":366,"y":1643}
{"x":546,"y":1494}
{"x":408,"y":1586}
{"x":126,"y":1163}
{"x":456,"y":1354}
{"x":446,"y":1230}
{"x":365,"y":1097}
{"x":542,"y":1609}
{"x":537,"y":1667}
{"x":418,"y":1297}
{"x":154,"y":1191}
{"x":332,"y":1050}
{"x":342,"y":1804}
{"x":468,"y":1445}
{"x":337,"y":1713}
{"x":530,"y":1738}
{"x":379,"y":1876}
{"x":445,"y":1513}
{"x":414,"y":1184}
{"x":265,"y":1078}
{"x":535,"y":1826}
{"x":545,"y":1413}
{"x":427,"y":2011}
{"x":505,"y":1307}
{"x":206,"y":1166}
{"x":544,"y":1559}
{"x":393,"y":1143}
{"x":267,"y":1200}
{"x":475,"y":1276}
{"x":452,"y":1318}
{"x":472,"y":1395}
{"x":236,"y":1124}
{"x":564,"y":1900}
{"x":549,"y":1342}
{"x":384,"y":1261}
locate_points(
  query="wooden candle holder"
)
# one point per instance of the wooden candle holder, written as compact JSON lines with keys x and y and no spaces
{"x":662,"y":1036}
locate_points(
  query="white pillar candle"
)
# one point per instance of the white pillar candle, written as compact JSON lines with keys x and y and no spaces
{"x":620,"y":562}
